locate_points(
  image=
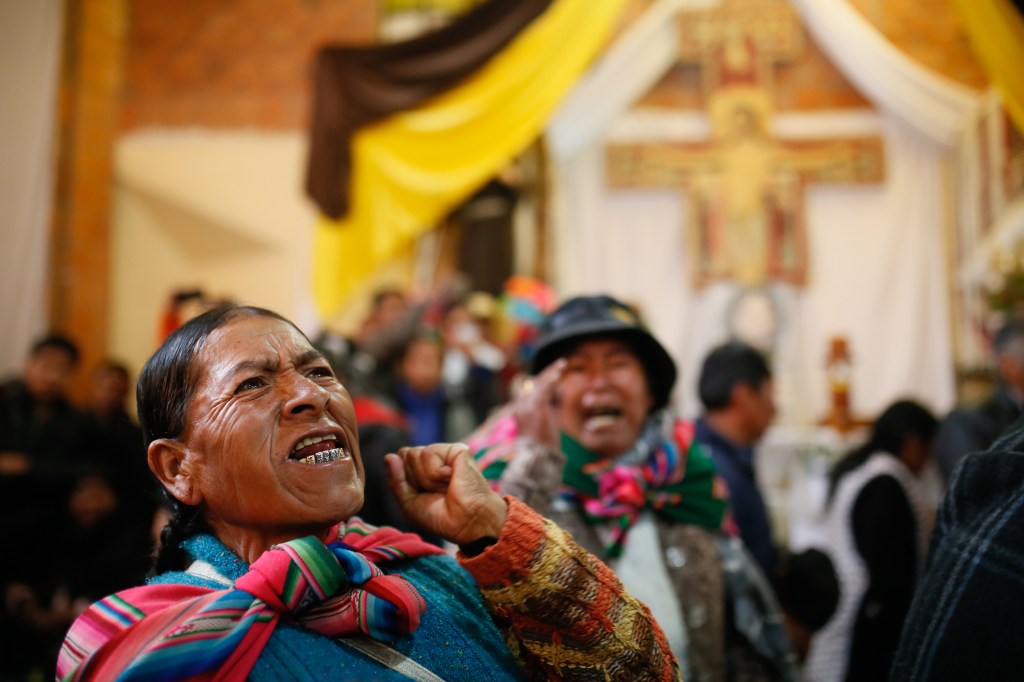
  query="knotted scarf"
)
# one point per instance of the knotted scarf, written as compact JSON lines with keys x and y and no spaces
{"x":665,"y":471}
{"x":184,"y":632}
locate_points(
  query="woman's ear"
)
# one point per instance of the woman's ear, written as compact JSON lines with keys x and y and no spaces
{"x":172,"y":463}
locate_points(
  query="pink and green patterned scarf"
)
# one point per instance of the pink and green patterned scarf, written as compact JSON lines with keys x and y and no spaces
{"x":184,"y":632}
{"x":667,"y":472}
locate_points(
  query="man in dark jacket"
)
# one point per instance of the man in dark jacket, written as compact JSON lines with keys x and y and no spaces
{"x":42,"y":446}
{"x":114,"y":441}
{"x":968,"y":614}
{"x":40,"y":432}
{"x":973,"y":429}
{"x":735,"y":387}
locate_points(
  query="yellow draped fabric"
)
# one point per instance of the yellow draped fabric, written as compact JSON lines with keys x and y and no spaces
{"x":996,"y":31}
{"x":410,"y":169}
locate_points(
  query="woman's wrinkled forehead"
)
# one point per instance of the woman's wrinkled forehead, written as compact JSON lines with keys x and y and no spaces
{"x":252,"y":342}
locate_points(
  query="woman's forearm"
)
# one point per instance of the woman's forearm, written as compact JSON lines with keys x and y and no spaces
{"x":564,"y":612}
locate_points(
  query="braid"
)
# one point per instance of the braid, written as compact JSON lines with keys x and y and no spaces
{"x":184,"y":522}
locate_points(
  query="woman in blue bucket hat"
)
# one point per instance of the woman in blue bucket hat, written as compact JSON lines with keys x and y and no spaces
{"x":591,"y":442}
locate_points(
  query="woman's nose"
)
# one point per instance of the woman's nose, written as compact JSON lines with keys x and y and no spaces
{"x":597,"y":378}
{"x":305,"y":395}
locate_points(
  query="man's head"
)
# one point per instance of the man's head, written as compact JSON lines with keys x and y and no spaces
{"x":736,"y":388}
{"x":421,"y":363}
{"x":1009,"y":351}
{"x":388,"y":306}
{"x":49,"y":367}
{"x":111,"y":386}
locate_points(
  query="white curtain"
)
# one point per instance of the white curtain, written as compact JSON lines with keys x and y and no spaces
{"x":924,"y":100}
{"x":877,"y":276}
{"x":30,"y":35}
{"x":630,"y":67}
{"x":877,"y":257}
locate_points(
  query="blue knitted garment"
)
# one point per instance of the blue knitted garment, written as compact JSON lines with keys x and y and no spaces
{"x":456,"y":639}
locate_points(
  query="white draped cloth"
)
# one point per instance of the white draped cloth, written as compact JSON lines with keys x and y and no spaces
{"x":877,"y":261}
{"x":927,"y":102}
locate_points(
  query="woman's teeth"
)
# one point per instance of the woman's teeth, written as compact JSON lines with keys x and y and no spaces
{"x":324,"y":457}
{"x":312,"y":440}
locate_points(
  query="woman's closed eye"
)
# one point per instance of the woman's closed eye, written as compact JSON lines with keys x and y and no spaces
{"x":250,"y":384}
{"x":320,"y":372}
{"x":575,"y":367}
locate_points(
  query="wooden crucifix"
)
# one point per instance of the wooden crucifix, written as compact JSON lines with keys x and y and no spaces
{"x":745,"y":187}
{"x":738,"y":42}
{"x":745,"y":190}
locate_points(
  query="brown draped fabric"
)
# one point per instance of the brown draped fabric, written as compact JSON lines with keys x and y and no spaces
{"x":355,"y":86}
{"x":486,"y":246}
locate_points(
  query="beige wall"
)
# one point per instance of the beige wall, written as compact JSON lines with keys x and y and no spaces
{"x":29,"y":59}
{"x":222,"y":212}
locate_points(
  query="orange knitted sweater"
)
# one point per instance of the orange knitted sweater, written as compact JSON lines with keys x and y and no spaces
{"x":564,"y":611}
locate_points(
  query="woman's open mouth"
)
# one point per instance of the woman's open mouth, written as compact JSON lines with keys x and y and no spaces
{"x":599,"y":417}
{"x":318,"y":450}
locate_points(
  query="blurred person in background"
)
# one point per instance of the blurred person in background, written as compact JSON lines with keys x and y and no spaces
{"x":735,"y":387}
{"x":432,"y":413}
{"x":808,"y":590}
{"x":368,"y":356}
{"x":181,"y":306}
{"x":50,"y":486}
{"x":115,"y":440}
{"x":878,"y":530}
{"x":472,"y":364}
{"x":40,"y":431}
{"x":974,"y":428}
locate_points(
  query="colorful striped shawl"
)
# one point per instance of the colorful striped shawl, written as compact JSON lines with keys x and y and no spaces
{"x":184,"y":632}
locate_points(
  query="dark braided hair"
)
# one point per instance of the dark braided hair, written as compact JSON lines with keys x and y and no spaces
{"x":166,"y":387}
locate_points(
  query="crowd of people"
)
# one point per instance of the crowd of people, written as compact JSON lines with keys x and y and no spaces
{"x":77,"y":501}
{"x":260,"y":450}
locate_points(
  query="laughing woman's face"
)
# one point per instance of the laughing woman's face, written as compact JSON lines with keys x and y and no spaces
{"x":604,"y":396}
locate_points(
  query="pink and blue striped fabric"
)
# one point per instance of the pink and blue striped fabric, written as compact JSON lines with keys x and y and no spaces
{"x":183,"y":632}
